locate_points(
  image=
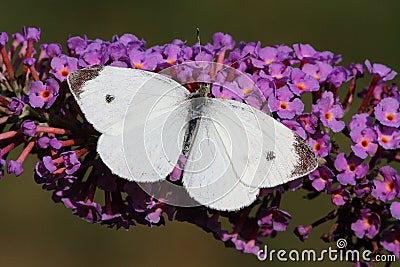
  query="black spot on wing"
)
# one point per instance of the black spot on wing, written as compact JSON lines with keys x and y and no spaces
{"x":306,"y":160}
{"x":77,"y":79}
{"x":109,"y":98}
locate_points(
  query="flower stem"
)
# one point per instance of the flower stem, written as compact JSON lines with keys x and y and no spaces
{"x":4,"y":101}
{"x":28,"y":54}
{"x":9,"y":134}
{"x":46,"y":129}
{"x":330,"y":216}
{"x":371,"y":88}
{"x":72,"y":142}
{"x":327,"y":237}
{"x":26,"y":151}
{"x":348,"y":100}
{"x":219,"y":64}
{"x":34,"y":73}
{"x":59,"y":171}
{"x":7,"y":63}
{"x":47,"y":69}
{"x":58,"y":160}
{"x":7,"y":149}
{"x":277,"y":199}
{"x":107,"y":200}
{"x":81,"y":152}
{"x":4,"y":119}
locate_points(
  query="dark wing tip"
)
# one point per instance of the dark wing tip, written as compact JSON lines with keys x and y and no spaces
{"x":307,"y":160}
{"x":77,"y":79}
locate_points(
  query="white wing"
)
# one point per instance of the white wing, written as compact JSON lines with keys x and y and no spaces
{"x":216,"y":186}
{"x":105,"y":93}
{"x":282,"y":156}
{"x":153,"y":137}
{"x":249,"y":150}
{"x":111,"y":152}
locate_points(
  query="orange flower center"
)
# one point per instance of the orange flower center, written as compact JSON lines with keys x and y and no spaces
{"x":389,"y":186}
{"x":368,"y":222}
{"x":301,"y":86}
{"x":317,"y":147}
{"x":171,"y":61}
{"x":364,"y":142}
{"x":352,"y":167}
{"x":390,"y":117}
{"x":283,"y":105}
{"x":317,"y":77}
{"x":223,"y":97}
{"x":64,"y":72}
{"x":45,"y":94}
{"x":328,"y":116}
{"x":384,"y":139}
{"x":138,"y":66}
{"x":305,"y":121}
{"x":269,"y":61}
{"x":247,"y":91}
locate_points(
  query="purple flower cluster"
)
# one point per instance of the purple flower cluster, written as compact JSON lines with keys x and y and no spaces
{"x":360,"y":178}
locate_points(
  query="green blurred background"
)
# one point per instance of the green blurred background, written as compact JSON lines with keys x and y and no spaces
{"x":36,"y":232}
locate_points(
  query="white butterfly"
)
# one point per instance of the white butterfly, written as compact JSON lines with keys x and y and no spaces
{"x":149,"y":122}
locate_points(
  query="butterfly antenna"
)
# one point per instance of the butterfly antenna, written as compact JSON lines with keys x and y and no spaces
{"x":247,"y":55}
{"x":198,"y":39}
{"x":236,"y":61}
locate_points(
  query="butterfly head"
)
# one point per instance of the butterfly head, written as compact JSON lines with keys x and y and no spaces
{"x":204,"y":89}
